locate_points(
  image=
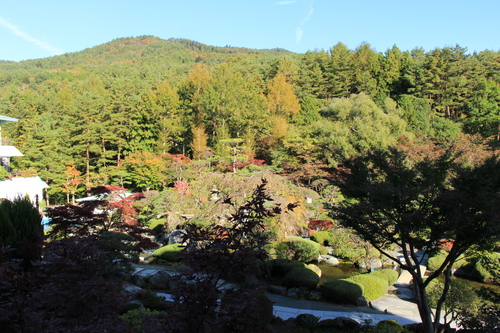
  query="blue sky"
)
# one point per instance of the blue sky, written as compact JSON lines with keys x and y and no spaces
{"x":32,"y":29}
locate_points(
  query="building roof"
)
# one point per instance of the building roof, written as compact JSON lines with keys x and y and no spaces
{"x":20,"y":187}
{"x":9,"y":151}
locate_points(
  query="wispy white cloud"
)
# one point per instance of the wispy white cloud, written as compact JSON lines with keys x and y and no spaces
{"x":282,"y":3}
{"x":18,"y":32}
{"x":309,"y":14}
{"x":298,"y":35}
{"x":299,"y":32}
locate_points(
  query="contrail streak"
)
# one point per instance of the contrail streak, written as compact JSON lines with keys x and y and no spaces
{"x":18,"y":32}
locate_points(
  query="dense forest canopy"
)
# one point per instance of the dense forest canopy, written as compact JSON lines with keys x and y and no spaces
{"x":135,"y":111}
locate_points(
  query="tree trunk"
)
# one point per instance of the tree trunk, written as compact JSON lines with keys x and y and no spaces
{"x":423,"y":303}
{"x":87,"y":167}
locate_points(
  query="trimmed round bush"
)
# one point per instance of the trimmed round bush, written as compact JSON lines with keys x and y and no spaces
{"x":322,"y":237}
{"x":373,"y":286}
{"x":245,"y":308}
{"x":301,"y":277}
{"x":342,"y":291}
{"x":303,"y":249}
{"x":281,"y":250}
{"x":390,"y":275}
{"x":314,"y":268}
{"x":169,"y":252}
{"x":389,"y":326}
{"x":434,"y":262}
{"x":282,"y":266}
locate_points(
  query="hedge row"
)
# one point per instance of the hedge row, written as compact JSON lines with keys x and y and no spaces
{"x":371,"y":286}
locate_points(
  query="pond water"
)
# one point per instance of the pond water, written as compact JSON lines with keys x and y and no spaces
{"x":342,"y":271}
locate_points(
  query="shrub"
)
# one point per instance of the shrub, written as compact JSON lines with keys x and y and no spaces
{"x":373,"y":286}
{"x":21,"y":228}
{"x":170,"y":252}
{"x":340,"y":324}
{"x":488,"y":267}
{"x":154,"y":302}
{"x":119,"y":245}
{"x":309,"y":321}
{"x":301,"y":277}
{"x":157,"y":225}
{"x":342,"y":291}
{"x":281,"y":250}
{"x":389,"y":326}
{"x":314,"y":268}
{"x":322,"y":237}
{"x":245,"y":311}
{"x":282,"y":266}
{"x":388,"y":274}
{"x":303,"y":249}
{"x":322,"y":249}
{"x":435,"y":261}
{"x":135,"y":318}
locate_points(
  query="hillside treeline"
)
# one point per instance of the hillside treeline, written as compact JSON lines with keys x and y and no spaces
{"x":139,"y":112}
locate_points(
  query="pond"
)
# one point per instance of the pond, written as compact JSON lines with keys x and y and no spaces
{"x":342,"y":271}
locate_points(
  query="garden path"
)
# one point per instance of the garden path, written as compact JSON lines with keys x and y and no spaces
{"x":387,"y":307}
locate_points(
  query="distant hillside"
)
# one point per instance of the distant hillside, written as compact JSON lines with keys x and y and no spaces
{"x":139,"y":50}
{"x":145,"y":54}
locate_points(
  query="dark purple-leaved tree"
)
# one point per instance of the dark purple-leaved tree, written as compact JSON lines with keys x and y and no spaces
{"x":221,"y":251}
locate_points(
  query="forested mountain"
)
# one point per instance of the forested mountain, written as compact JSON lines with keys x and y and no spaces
{"x":124,"y":111}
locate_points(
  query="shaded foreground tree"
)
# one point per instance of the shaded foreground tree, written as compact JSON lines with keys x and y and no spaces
{"x":108,"y":215}
{"x":415,"y":204}
{"x":74,"y":284}
{"x":73,"y":289}
{"x":221,"y":251}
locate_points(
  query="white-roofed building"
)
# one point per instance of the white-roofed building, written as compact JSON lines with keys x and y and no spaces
{"x":14,"y":187}
{"x":21,"y":187}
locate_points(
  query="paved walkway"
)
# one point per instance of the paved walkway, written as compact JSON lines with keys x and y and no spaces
{"x":384,"y":308}
{"x":387,"y":307}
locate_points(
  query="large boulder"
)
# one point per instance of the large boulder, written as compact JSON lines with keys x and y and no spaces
{"x":278,"y":290}
{"x":341,"y":323}
{"x":160,"y":280}
{"x":372,"y":264}
{"x":138,"y":280}
{"x":176,"y":237}
{"x":132,"y":292}
{"x":329,"y":260}
{"x":132,"y":305}
{"x":362,"y":301}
